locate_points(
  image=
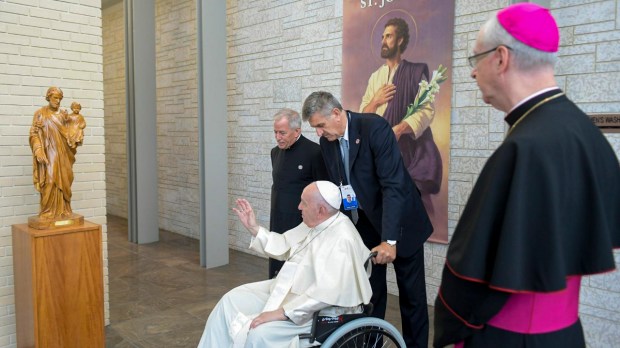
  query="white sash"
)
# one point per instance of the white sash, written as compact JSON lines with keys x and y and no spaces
{"x":239,"y":328}
{"x":283,"y":286}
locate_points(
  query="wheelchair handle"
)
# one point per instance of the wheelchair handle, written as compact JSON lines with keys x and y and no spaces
{"x":372,"y":254}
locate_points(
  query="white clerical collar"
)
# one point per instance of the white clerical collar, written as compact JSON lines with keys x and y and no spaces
{"x":327,"y":222}
{"x":532,"y":96}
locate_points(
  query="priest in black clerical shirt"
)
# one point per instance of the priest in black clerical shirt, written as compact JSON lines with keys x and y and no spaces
{"x":296,"y":162}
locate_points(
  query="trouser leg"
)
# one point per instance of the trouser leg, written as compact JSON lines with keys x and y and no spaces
{"x":274,"y":267}
{"x":371,"y":239}
{"x":379,"y":291}
{"x":412,"y":298}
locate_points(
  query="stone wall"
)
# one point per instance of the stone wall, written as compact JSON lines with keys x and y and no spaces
{"x":177,"y":120}
{"x":43,"y":44}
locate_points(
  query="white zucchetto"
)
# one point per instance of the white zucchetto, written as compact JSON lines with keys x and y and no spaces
{"x":330,"y":193}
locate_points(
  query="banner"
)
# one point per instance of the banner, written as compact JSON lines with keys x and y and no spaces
{"x":391,"y":51}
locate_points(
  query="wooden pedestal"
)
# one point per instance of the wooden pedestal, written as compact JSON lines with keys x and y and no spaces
{"x":58,"y":286}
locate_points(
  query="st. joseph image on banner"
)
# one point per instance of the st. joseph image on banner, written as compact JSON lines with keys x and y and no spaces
{"x":397,"y":63}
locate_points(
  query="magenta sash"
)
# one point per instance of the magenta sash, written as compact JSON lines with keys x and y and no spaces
{"x":535,"y":313}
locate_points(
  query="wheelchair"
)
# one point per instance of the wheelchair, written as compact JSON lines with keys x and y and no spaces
{"x":353,"y":330}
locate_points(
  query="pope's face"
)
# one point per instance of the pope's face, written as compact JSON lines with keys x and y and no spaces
{"x":330,"y":128}
{"x":308,"y":206}
{"x":285,"y":136}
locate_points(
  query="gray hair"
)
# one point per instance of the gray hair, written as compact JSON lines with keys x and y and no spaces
{"x":328,"y":208}
{"x":525,"y":57}
{"x":321,"y":202}
{"x":292,"y":116}
{"x":321,"y":102}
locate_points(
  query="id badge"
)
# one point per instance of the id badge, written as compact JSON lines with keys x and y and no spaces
{"x":349,"y":200}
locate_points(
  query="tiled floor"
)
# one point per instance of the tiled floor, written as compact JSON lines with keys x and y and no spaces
{"x":161,"y":297}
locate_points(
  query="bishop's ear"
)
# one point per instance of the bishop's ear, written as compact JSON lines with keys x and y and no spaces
{"x":504,"y":57}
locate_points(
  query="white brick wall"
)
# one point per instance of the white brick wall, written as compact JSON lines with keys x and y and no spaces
{"x":277,"y":55}
{"x":42,"y":44}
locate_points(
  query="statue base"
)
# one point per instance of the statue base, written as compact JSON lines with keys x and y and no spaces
{"x":39,"y":223}
{"x":58,"y":279}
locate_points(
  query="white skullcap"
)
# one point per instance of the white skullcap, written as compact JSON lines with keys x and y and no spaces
{"x":329,"y":192}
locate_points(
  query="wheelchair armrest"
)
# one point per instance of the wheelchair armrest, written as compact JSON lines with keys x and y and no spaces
{"x":312,"y":335}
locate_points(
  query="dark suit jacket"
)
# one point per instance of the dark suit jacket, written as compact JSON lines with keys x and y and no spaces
{"x":383,"y":187}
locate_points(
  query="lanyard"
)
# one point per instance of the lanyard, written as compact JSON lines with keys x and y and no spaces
{"x":341,"y":155}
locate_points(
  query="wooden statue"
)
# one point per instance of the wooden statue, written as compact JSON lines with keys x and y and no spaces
{"x":54,"y":138}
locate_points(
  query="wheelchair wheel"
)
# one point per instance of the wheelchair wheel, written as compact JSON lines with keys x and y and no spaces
{"x":365,"y":332}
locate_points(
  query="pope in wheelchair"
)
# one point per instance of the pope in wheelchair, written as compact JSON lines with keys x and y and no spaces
{"x":324,"y":270}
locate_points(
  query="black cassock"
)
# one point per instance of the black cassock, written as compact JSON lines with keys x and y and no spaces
{"x":546,"y":206}
{"x":293,"y":169}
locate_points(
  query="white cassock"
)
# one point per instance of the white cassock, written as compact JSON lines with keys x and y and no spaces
{"x":324,"y":268}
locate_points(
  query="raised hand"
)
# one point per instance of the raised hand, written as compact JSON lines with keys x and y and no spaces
{"x":246,"y":215}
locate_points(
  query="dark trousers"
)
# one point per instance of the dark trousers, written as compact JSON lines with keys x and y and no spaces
{"x":274,"y":267}
{"x":411,"y":287}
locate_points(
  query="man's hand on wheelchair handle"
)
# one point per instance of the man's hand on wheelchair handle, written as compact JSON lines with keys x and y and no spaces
{"x":385,"y":253}
{"x":266,"y":317}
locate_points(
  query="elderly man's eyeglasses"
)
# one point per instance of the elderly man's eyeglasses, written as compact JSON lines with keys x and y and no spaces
{"x":473,"y":60}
